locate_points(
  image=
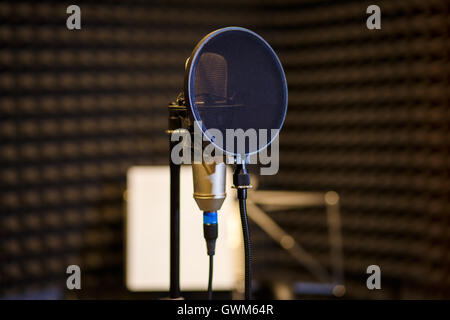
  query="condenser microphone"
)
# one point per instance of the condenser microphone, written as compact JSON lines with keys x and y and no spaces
{"x":209,"y":178}
{"x":209,"y":193}
{"x":211,"y":92}
{"x":210,"y":85}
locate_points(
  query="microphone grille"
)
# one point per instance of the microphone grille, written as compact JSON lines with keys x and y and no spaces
{"x":211,"y":79}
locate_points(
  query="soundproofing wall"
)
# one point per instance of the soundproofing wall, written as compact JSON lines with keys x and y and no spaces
{"x":368,"y":117}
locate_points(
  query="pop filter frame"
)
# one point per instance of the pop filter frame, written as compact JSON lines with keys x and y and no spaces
{"x":189,"y":83}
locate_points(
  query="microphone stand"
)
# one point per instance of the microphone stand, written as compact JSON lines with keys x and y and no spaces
{"x":177,"y":112}
{"x":174,"y":227}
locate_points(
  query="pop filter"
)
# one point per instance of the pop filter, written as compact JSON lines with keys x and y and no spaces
{"x":234,"y":80}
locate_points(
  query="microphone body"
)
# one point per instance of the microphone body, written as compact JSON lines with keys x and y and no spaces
{"x":209,"y":193}
{"x":209,"y":185}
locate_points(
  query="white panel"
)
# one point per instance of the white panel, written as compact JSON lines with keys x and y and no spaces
{"x":148,"y":234}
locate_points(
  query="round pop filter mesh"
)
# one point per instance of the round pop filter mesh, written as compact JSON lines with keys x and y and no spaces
{"x":236,"y":81}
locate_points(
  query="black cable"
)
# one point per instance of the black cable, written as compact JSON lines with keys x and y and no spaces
{"x":247,"y":246}
{"x":211,"y":260}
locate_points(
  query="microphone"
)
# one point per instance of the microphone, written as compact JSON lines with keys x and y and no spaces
{"x":209,"y":178}
{"x":209,"y":193}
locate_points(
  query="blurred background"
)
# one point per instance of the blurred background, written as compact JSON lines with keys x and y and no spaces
{"x":368,"y":117}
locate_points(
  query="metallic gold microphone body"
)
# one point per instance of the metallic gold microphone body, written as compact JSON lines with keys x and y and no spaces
{"x":209,"y":185}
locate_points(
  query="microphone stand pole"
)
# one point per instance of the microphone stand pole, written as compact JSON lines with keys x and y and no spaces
{"x":176,"y":112}
{"x":174,"y":228}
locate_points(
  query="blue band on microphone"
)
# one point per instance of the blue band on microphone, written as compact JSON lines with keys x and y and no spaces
{"x":210,"y":217}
